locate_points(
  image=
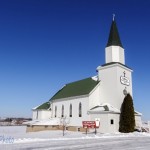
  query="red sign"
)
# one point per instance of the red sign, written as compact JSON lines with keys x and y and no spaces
{"x":89,"y":124}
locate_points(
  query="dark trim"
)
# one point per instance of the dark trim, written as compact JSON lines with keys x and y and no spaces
{"x":112,"y":63}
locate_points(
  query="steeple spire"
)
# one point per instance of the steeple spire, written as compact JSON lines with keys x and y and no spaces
{"x":114,"y":51}
{"x":114,"y":39}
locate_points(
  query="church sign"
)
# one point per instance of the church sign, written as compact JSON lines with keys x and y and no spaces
{"x":89,"y":124}
{"x":125,"y":80}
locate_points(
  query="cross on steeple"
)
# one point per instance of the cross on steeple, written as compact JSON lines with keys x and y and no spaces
{"x":113,"y":17}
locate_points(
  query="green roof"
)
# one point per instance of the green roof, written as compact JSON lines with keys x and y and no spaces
{"x":44,"y":106}
{"x":114,"y":39}
{"x":81,"y":87}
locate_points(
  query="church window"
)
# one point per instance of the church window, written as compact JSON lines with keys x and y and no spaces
{"x":37,"y":114}
{"x":55,"y":111}
{"x":80,"y":109}
{"x":62,"y":111}
{"x":111,"y":121}
{"x":70,"y":110}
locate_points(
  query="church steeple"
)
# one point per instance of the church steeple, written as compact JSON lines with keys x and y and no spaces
{"x":114,"y":39}
{"x":114,"y":51}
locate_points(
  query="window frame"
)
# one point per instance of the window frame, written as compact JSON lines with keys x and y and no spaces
{"x":55,"y":111}
{"x":80,"y":109}
{"x":111,"y":121}
{"x":62,"y":111}
{"x":70,"y":110}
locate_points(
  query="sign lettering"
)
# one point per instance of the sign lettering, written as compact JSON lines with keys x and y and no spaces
{"x":125,"y":80}
{"x":89,"y":124}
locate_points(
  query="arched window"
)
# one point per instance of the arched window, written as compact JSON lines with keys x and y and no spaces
{"x":55,"y":111}
{"x":37,"y":114}
{"x":80,"y":109}
{"x":62,"y":111}
{"x":70,"y":110}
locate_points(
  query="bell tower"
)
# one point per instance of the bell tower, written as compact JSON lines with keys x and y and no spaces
{"x":114,"y":76}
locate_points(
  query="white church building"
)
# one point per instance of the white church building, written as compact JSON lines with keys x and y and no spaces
{"x":96,"y":98}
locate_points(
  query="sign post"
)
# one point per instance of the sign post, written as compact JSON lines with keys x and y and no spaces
{"x":86,"y":131}
{"x":95,"y":131}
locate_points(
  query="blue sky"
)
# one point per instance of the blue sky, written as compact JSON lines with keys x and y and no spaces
{"x":45,"y":44}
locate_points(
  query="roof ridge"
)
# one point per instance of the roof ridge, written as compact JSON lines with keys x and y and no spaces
{"x":79,"y":80}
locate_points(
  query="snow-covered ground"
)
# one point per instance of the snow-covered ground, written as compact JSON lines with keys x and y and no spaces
{"x":16,"y":138}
